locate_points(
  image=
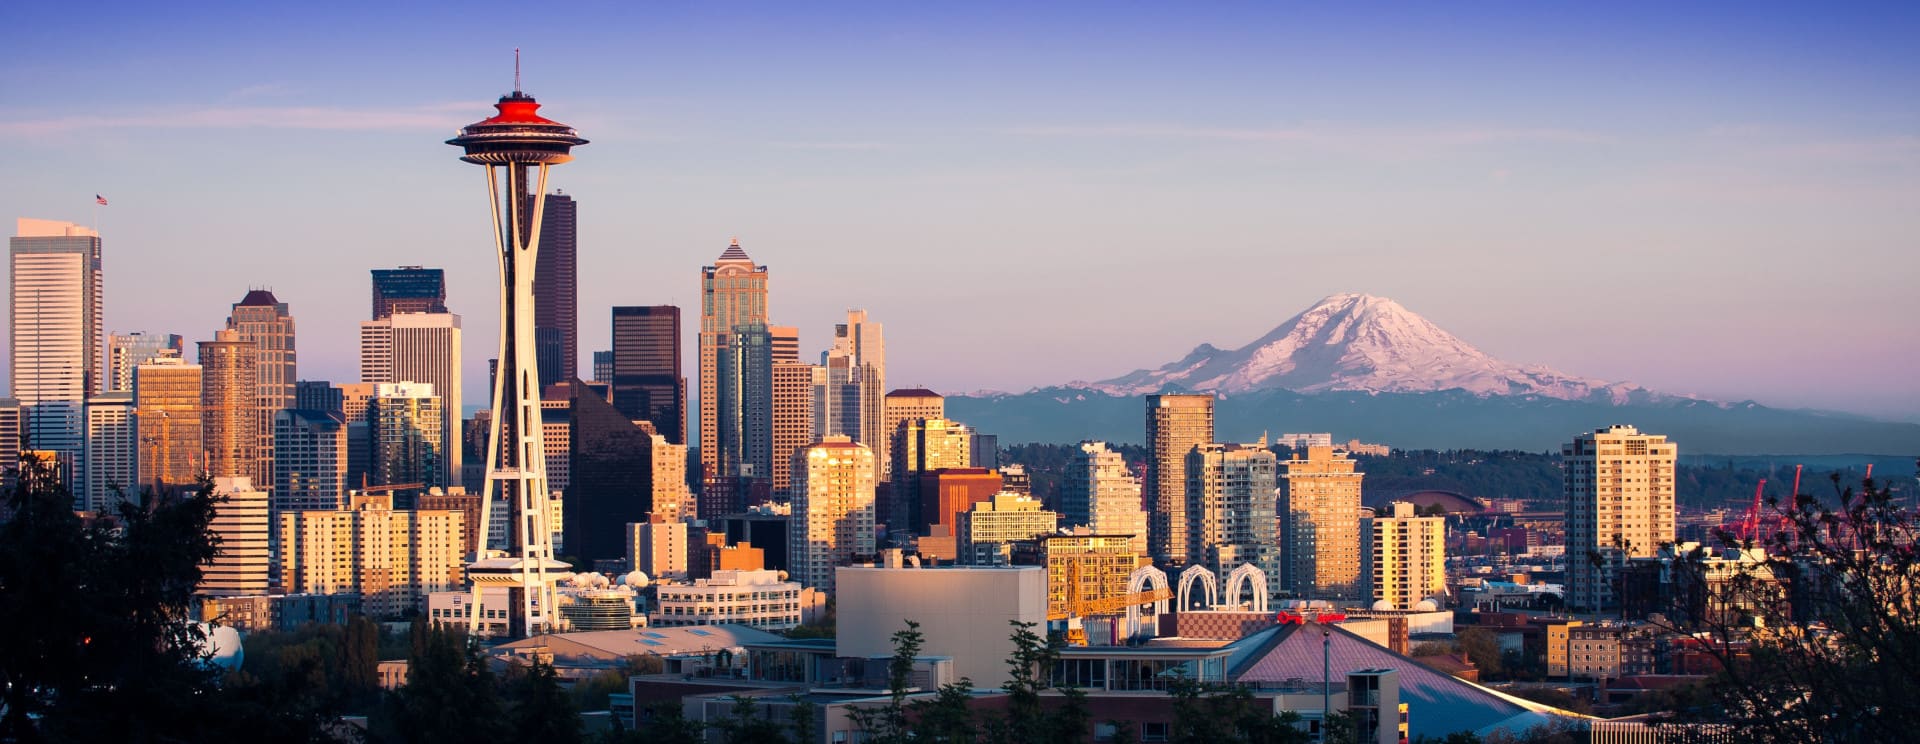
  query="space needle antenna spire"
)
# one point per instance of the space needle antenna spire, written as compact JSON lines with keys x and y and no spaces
{"x":516,"y":69}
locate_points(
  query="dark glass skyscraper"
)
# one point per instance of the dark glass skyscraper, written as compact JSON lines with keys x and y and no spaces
{"x":647,"y":384}
{"x":556,"y":293}
{"x":612,"y":461}
{"x":409,"y":289}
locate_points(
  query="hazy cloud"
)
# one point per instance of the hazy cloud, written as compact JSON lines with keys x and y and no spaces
{"x":1323,"y":134}
{"x":438,"y":116}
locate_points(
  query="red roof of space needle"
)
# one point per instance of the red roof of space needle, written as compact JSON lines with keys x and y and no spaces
{"x":518,"y":108}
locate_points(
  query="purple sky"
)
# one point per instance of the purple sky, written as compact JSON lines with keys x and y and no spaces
{"x":1713,"y":200}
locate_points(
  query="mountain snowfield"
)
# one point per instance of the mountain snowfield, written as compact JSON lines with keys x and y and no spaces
{"x":1362,"y":343}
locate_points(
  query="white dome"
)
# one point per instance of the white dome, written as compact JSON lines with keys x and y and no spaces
{"x":223,"y":646}
{"x":636,"y":580}
{"x":1382,"y":606}
{"x":1425,"y":605}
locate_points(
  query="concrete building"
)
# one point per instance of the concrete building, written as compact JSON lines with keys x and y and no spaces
{"x":648,"y":384}
{"x":1320,"y":508}
{"x":963,"y":612}
{"x":128,"y":350}
{"x":419,"y":347}
{"x":1620,"y":491}
{"x":229,"y":403}
{"x":1101,"y":494}
{"x":945,"y":494}
{"x":356,"y":400}
{"x":832,"y":519}
{"x":1175,"y":423}
{"x":408,"y":289}
{"x":1231,"y":503}
{"x":460,"y":500}
{"x":55,"y":279}
{"x":309,"y":459}
{"x":1405,"y":556}
{"x":921,"y":446}
{"x":112,"y":463}
{"x":658,"y":548}
{"x":556,"y":291}
{"x":733,"y":292}
{"x":264,"y":321}
{"x":987,"y":532}
{"x":908,"y":404}
{"x":406,"y":438}
{"x":792,"y":408}
{"x":852,"y":400}
{"x":391,"y":557}
{"x":1303,"y":441}
{"x":10,"y":431}
{"x":166,"y":393}
{"x":241,"y":523}
{"x":756,"y":599}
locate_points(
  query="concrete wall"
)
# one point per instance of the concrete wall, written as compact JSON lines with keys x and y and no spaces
{"x":963,"y":612}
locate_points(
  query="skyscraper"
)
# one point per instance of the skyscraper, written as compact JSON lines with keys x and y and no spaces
{"x":853,"y":401}
{"x":9,"y":433}
{"x":409,"y":445}
{"x":611,"y":459}
{"x":646,"y":377}
{"x":113,"y":453}
{"x":419,"y":347}
{"x":1099,"y":493}
{"x":1405,"y":556}
{"x":1231,"y":505}
{"x":409,"y":289}
{"x":318,"y":395}
{"x":128,"y":350}
{"x":907,"y":404}
{"x":744,"y":392}
{"x":832,"y":510}
{"x":1175,"y":423}
{"x":792,"y":405}
{"x":241,"y":524}
{"x":166,"y":392}
{"x":55,"y":275}
{"x":1620,"y":491}
{"x":603,"y":366}
{"x":310,"y":459}
{"x":920,"y":446}
{"x":733,"y":292}
{"x":229,"y":402}
{"x":1321,"y":513}
{"x":264,"y":321}
{"x":556,"y":292}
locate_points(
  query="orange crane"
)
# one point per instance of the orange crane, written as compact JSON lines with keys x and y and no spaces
{"x":1749,"y":527}
{"x":1078,"y":607}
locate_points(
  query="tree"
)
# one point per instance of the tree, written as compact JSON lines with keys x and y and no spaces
{"x":888,"y":723}
{"x":1029,"y":672}
{"x":745,"y":725}
{"x":450,"y":695}
{"x":1827,"y":632}
{"x":1482,"y":648}
{"x":948,"y":717}
{"x":1229,"y":714}
{"x":539,"y":709}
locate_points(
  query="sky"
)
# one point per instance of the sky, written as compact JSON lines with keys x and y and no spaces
{"x":1718,"y":200}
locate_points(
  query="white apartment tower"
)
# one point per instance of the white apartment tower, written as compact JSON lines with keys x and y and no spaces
{"x":852,"y":403}
{"x":832,"y":522}
{"x":1620,"y":505}
{"x":1231,"y":509}
{"x":113,"y":452}
{"x":1099,"y":493}
{"x":1405,"y":556}
{"x":55,"y":330}
{"x":242,"y":524}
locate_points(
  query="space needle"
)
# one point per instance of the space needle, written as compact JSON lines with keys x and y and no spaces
{"x":517,"y":145}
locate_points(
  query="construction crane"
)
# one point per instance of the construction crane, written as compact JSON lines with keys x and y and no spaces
{"x":388,"y":489}
{"x":1078,"y":607}
{"x":1749,"y":526}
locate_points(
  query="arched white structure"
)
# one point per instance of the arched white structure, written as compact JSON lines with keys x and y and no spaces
{"x":1237,"y":581}
{"x":1208,"y":581}
{"x":1137,"y":583}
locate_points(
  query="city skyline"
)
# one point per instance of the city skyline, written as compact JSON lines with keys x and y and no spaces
{"x":1721,"y":160}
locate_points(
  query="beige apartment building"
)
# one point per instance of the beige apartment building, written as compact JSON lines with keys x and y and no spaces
{"x":1406,"y":556}
{"x":1320,"y":508}
{"x":392,"y":558}
{"x":793,"y":384}
{"x":1101,"y":494}
{"x":832,"y":521}
{"x":242,"y":524}
{"x":988,"y":531}
{"x":921,"y":446}
{"x":1175,"y":423}
{"x":1620,"y":505}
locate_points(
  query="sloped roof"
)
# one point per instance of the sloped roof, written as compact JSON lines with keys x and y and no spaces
{"x":592,"y":648}
{"x":733,"y":253}
{"x":258,"y":298}
{"x":1439,"y":703}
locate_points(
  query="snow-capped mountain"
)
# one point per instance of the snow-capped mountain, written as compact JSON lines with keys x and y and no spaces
{"x":1358,"y":342}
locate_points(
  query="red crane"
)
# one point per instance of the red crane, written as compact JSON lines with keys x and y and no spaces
{"x":1750,"y":524}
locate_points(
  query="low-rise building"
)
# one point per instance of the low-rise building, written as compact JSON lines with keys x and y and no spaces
{"x":987,"y":533}
{"x":756,"y":599}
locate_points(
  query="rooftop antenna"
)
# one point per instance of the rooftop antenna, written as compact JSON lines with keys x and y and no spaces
{"x":516,"y":69}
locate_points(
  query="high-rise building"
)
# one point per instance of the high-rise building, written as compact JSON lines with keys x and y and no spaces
{"x":792,"y":410}
{"x":657,"y":547}
{"x":556,"y":291}
{"x":988,"y":531}
{"x":733,"y":292}
{"x":646,"y":377}
{"x":392,"y":558}
{"x":128,"y":350}
{"x":1405,"y":556}
{"x":318,"y":395}
{"x":921,"y":446}
{"x":1101,"y":494}
{"x":603,"y":366}
{"x":1320,"y":510}
{"x":945,"y":494}
{"x":265,"y":322}
{"x":408,"y":443}
{"x":9,"y":433}
{"x":1231,"y":501}
{"x":986,"y":454}
{"x":166,"y":393}
{"x":112,"y":463}
{"x":556,"y":434}
{"x":1175,"y":423}
{"x":853,"y":401}
{"x":419,"y":347}
{"x":744,"y":410}
{"x":1620,"y":491}
{"x":356,"y":400}
{"x":56,"y":288}
{"x":241,"y":524}
{"x":409,"y":289}
{"x":669,"y":494}
{"x":832,"y":521}
{"x":309,"y":459}
{"x":229,"y":399}
{"x":903,"y":405}
{"x":610,"y":457}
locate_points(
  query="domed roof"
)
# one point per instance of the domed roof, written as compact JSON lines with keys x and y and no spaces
{"x":1425,"y":605}
{"x":1382,"y":606}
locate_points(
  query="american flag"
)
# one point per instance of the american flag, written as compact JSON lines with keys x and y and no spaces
{"x":100,"y":200}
